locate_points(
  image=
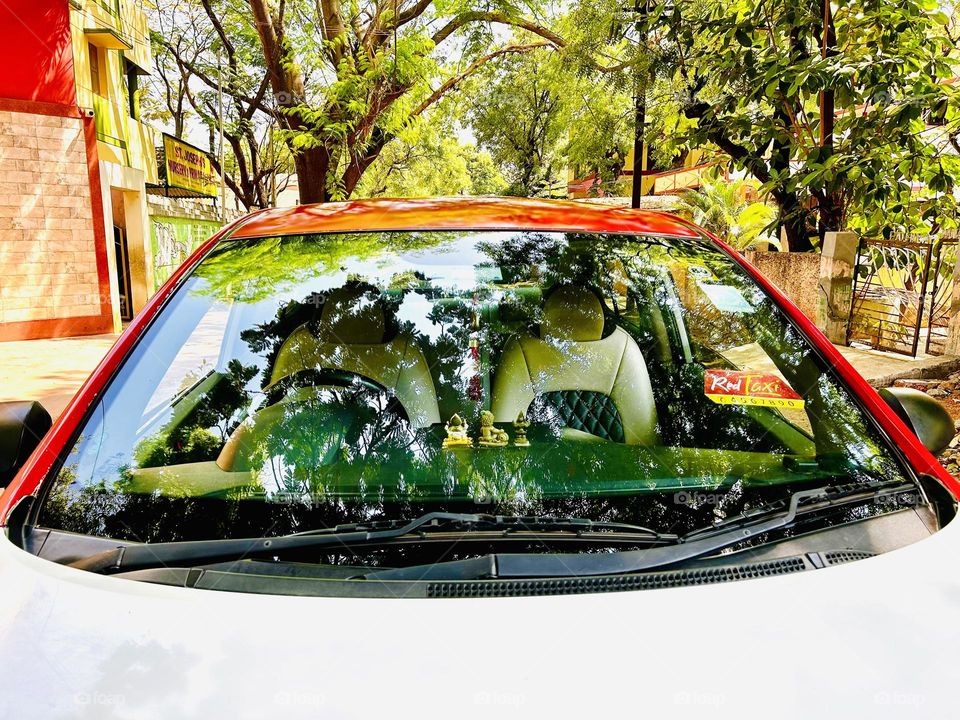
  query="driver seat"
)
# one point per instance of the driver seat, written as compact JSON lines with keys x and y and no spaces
{"x":348,"y":337}
{"x":595,"y":387}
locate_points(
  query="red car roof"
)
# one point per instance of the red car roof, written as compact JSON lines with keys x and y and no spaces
{"x":459,"y":213}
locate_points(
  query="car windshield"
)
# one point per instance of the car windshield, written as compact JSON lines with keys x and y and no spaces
{"x":303,"y":382}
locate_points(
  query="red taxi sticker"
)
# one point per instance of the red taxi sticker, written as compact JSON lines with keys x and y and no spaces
{"x":736,"y":387}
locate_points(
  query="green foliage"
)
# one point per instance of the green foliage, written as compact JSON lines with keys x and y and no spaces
{"x":273,"y":265}
{"x":427,"y":160}
{"x":543,"y":112}
{"x":517,"y":113}
{"x":191,"y":439}
{"x":723,"y":208}
{"x":745,"y":77}
{"x":192,"y":59}
{"x":343,"y":80}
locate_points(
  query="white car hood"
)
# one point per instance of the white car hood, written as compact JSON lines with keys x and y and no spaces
{"x":872,"y":638}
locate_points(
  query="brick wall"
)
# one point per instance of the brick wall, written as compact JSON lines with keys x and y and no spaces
{"x":48,"y":264}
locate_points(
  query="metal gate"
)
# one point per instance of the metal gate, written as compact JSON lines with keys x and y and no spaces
{"x":903,"y":294}
{"x":943,"y":303}
{"x":889,"y":294}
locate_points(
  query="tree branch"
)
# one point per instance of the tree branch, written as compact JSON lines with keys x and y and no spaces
{"x":471,"y":69}
{"x":738,"y":153}
{"x":203,"y":77}
{"x":361,"y":157}
{"x":413,"y":12}
{"x":218,"y":26}
{"x":500,"y":18}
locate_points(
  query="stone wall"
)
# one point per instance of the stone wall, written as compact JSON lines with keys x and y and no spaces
{"x":797,"y":275}
{"x":47,"y":251}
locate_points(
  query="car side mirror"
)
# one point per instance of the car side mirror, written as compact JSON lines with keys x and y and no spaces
{"x":928,"y":419}
{"x":23,"y":424}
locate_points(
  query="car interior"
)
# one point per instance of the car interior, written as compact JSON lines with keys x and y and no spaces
{"x":584,"y":363}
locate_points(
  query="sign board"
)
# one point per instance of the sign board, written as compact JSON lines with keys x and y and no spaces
{"x":189,"y":168}
{"x":735,"y":387}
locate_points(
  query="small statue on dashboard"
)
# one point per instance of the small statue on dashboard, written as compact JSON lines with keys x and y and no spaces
{"x":456,"y":433}
{"x":520,"y":426}
{"x":491,"y":436}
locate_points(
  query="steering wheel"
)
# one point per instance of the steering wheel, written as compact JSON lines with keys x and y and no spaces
{"x":334,"y":406}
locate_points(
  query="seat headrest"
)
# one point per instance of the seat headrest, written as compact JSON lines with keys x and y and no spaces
{"x":572,"y":313}
{"x":351,"y":316}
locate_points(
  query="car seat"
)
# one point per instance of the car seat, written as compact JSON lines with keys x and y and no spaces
{"x":349,"y":337}
{"x":597,"y":386}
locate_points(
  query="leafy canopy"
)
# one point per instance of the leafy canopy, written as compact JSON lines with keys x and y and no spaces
{"x":745,"y":76}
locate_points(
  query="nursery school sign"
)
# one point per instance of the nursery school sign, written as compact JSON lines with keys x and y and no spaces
{"x":188,"y":167}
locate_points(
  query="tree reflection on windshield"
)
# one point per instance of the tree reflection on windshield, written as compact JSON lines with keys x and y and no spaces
{"x":327,"y":399}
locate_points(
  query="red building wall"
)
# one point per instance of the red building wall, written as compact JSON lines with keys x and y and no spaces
{"x":35,"y":53}
{"x":54,"y":272}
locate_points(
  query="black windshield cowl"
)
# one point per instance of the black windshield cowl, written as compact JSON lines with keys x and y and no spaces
{"x":660,"y":549}
{"x":745,"y":527}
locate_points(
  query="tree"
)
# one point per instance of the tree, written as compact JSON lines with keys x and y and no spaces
{"x":427,"y":160}
{"x":518,"y":115}
{"x":345,"y":79}
{"x":750,"y":74}
{"x":196,"y":53}
{"x":544,"y":110}
{"x":726,"y":209}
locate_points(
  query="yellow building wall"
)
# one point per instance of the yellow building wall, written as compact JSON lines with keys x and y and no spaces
{"x":111,"y":24}
{"x":664,"y":183}
{"x":105,"y":35}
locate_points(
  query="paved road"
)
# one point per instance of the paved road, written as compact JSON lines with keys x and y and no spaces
{"x":50,"y":371}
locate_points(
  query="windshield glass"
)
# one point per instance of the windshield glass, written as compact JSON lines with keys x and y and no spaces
{"x":302,"y":382}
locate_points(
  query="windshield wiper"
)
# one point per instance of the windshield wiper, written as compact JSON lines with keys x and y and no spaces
{"x":198,"y":552}
{"x":745,"y":526}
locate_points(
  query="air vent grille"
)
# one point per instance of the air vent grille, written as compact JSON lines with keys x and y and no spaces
{"x":617,"y":583}
{"x":839,"y":557}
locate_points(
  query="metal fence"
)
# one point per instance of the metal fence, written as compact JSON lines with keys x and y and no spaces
{"x":943,"y":302}
{"x":903,"y":294}
{"x":889,"y":293}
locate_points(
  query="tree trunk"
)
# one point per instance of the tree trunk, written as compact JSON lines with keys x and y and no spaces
{"x":830,"y":216}
{"x":311,"y":165}
{"x":795,"y":233}
{"x":793,"y":222}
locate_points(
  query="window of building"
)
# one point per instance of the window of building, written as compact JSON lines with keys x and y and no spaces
{"x":94,"y":52}
{"x":132,"y":78}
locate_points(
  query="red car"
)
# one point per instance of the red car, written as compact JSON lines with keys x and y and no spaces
{"x":467,"y":398}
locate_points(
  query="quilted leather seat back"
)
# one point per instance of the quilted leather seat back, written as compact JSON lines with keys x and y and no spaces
{"x":584,"y":410}
{"x":599,"y":385}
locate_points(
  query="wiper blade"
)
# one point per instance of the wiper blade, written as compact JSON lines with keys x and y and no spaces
{"x":828,"y":496}
{"x":507,"y":524}
{"x":198,"y":552}
{"x":694,"y":545}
